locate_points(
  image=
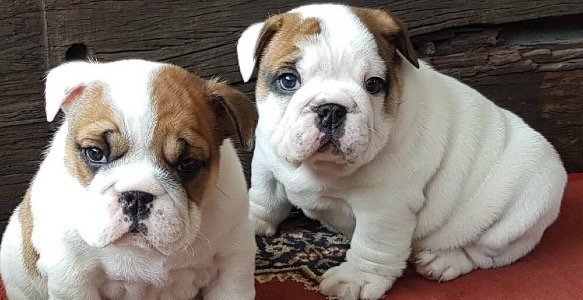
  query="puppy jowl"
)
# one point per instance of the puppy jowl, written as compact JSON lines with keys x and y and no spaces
{"x":409,"y":163}
{"x":145,"y":164}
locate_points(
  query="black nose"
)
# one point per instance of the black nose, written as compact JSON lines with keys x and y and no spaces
{"x":331,"y":116}
{"x":136,"y":204}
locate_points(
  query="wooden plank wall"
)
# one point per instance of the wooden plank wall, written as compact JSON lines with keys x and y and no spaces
{"x":525,"y":55}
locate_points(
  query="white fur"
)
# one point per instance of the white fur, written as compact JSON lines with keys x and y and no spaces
{"x":452,"y":181}
{"x":246,"y":50}
{"x":189,"y":249}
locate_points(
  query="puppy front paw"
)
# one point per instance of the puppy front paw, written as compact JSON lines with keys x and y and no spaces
{"x":347,"y":282}
{"x":262,"y":227}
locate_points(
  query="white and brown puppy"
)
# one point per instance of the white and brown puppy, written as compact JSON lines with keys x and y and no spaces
{"x":410,"y":163}
{"x":139,"y":196}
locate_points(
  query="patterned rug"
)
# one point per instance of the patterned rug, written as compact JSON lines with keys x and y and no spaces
{"x":301,"y":250}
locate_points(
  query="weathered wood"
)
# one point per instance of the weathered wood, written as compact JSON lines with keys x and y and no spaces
{"x":23,"y":131}
{"x":525,"y":55}
{"x":200,"y":35}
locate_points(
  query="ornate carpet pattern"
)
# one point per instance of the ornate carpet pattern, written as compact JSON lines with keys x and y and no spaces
{"x":301,"y":250}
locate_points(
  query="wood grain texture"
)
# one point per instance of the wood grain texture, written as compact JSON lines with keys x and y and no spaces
{"x":23,"y":129}
{"x":524,"y":55}
{"x":200,"y":35}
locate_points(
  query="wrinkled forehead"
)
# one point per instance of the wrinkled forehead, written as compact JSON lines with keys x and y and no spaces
{"x":341,"y":28}
{"x":118,"y":99}
{"x":129,"y":92}
{"x":283,"y":34}
{"x":344,"y":46}
{"x":150,"y":106}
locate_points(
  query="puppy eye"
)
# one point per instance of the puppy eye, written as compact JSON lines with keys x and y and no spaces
{"x":188,"y":165}
{"x":374,"y":85}
{"x":95,"y":155}
{"x":288,"y":82}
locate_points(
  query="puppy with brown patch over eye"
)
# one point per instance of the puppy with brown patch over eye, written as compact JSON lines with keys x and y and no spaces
{"x":408,"y":162}
{"x":141,"y":194}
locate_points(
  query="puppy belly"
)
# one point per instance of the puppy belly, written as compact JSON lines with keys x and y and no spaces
{"x":315,"y":200}
{"x":342,"y":221}
{"x":332,"y":212}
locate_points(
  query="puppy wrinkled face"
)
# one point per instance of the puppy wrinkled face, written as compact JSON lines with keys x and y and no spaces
{"x":327,"y":87}
{"x":145,"y":152}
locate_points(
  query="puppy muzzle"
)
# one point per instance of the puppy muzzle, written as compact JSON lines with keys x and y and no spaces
{"x":136,"y":205}
{"x":330,"y":120}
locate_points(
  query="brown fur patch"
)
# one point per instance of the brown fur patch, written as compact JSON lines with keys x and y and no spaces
{"x":234,"y":112}
{"x":185,"y":127}
{"x":386,"y":31}
{"x":92,"y":122}
{"x":278,"y":45}
{"x":29,"y":253}
{"x":391,"y":29}
{"x":193,"y":118}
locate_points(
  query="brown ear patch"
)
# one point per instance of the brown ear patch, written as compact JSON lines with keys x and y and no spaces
{"x":235,"y":114}
{"x":389,"y":33}
{"x":185,"y":128}
{"x":278,"y":45}
{"x":29,"y":253}
{"x":92,"y":122}
{"x":404,"y":44}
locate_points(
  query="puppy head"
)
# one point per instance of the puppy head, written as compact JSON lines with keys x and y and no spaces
{"x":143,"y":141}
{"x":328,"y":86}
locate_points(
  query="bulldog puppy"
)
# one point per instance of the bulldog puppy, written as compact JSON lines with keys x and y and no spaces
{"x":410,"y":163}
{"x":140,"y":195}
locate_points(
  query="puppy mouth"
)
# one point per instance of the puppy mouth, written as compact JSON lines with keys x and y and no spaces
{"x":128,"y":238}
{"x":329,"y":143}
{"x":328,"y":154}
{"x":136,"y":239}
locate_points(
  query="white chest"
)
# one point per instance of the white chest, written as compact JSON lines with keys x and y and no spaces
{"x":178,"y":284}
{"x":147,"y":277}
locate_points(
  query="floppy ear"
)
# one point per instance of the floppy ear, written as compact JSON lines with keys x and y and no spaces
{"x":246,"y":50}
{"x":403,"y":43}
{"x":64,"y":86}
{"x":253,"y":41}
{"x":383,"y":25}
{"x":235,"y":114}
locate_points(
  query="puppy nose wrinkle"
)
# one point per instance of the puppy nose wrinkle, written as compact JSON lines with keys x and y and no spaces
{"x":140,"y":176}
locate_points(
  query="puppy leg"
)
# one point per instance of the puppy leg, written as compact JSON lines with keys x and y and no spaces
{"x":235,"y":279}
{"x":379,"y":248}
{"x":486,"y":256}
{"x":268,"y":204}
{"x":517,"y":232}
{"x":444,"y":265}
{"x":59,"y":289}
{"x":69,"y":278}
{"x":514,"y":235}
